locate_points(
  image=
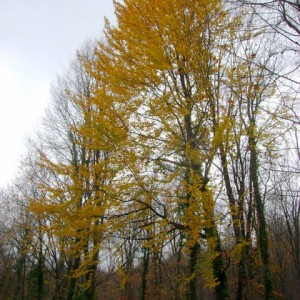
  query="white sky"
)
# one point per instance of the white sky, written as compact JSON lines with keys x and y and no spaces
{"x":37,"y":38}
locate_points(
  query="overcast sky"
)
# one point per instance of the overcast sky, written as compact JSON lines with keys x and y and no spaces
{"x":37,"y":38}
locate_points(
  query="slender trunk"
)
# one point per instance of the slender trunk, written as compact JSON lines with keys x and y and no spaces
{"x":92,"y":269}
{"x":21,"y":269}
{"x":40,"y":277}
{"x":222,"y":292}
{"x":40,"y":269}
{"x":262,"y":226}
{"x":177,"y":285}
{"x":145,"y":272}
{"x":59,"y":293}
{"x":243,"y":289}
{"x":20,"y":276}
{"x":157,"y":274}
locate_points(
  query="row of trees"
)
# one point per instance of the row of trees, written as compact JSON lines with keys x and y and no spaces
{"x":167,"y":166}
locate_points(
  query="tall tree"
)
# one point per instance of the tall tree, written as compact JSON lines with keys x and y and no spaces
{"x":160,"y":71}
{"x":76,"y":191}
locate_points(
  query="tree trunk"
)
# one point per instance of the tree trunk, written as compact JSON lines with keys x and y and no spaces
{"x":262,"y":226}
{"x":192,"y":294}
{"x":145,"y":272}
{"x":236,"y":211}
{"x":222,"y":292}
{"x":73,"y":280}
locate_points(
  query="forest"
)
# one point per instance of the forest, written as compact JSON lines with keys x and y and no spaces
{"x":168,"y":162}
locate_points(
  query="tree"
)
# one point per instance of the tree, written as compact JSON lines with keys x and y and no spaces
{"x":160,"y":72}
{"x":75,"y":193}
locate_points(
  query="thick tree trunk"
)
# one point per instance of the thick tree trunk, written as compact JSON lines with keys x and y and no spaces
{"x":192,"y":294}
{"x":244,"y":289}
{"x":89,"y":293}
{"x":73,"y":280}
{"x":221,"y":290}
{"x":90,"y":277}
